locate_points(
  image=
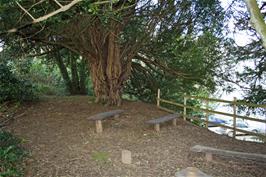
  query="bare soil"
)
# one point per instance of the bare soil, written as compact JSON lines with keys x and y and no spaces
{"x":63,"y":143}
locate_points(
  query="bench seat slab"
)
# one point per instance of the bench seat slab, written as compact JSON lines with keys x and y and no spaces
{"x":105,"y":115}
{"x":163,"y":119}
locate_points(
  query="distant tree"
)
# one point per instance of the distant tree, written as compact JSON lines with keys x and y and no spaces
{"x":75,"y":80}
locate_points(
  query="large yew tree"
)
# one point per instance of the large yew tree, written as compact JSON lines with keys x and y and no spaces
{"x":108,"y":34}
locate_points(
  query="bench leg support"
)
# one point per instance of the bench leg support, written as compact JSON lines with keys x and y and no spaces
{"x":157,"y":127}
{"x":99,"y":127}
{"x":174,"y":122}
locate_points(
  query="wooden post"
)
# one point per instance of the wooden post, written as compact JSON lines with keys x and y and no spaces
{"x":174,"y":122}
{"x":207,"y":113}
{"x":99,"y":127}
{"x":185,"y":109}
{"x":234,"y":117}
{"x":157,"y":127}
{"x":158,"y":98}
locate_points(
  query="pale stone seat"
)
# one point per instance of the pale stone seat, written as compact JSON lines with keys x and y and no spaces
{"x":156,"y":122}
{"x":104,"y":115}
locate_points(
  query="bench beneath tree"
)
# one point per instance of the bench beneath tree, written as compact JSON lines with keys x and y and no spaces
{"x":104,"y":115}
{"x":156,"y":122}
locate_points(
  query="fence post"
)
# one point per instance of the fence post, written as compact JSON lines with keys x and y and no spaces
{"x":207,"y":113}
{"x":234,"y":117}
{"x":185,"y":108}
{"x":158,"y":98}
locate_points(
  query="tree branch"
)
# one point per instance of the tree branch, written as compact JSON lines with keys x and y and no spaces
{"x":60,"y":5}
{"x":257,"y":19}
{"x":26,"y":11}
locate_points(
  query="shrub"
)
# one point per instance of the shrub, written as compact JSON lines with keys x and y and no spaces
{"x":11,"y":155}
{"x":13,"y":87}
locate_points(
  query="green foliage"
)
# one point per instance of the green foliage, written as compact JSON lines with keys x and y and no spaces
{"x":180,"y":59}
{"x":180,"y":35}
{"x":14,"y":88}
{"x":199,"y":123}
{"x":195,"y":59}
{"x":46,"y":77}
{"x":101,"y":157}
{"x":11,"y":155}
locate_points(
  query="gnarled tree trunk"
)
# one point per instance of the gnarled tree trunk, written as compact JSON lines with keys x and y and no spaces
{"x":109,"y":71}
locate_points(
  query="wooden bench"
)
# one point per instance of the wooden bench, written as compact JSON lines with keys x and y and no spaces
{"x":104,"y":115}
{"x":244,"y":155}
{"x":156,"y":122}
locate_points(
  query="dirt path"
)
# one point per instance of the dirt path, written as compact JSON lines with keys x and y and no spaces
{"x":63,"y":143}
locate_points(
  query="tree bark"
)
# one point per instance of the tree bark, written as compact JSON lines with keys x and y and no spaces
{"x":64,"y":73}
{"x":76,"y":84}
{"x":257,"y":19}
{"x":74,"y":75}
{"x":109,"y":72}
{"x":82,"y":77}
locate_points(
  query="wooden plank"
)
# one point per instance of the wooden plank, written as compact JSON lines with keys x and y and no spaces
{"x":163,"y":119}
{"x":174,"y":122}
{"x":228,"y":153}
{"x":227,"y":101}
{"x":207,"y":113}
{"x":211,"y":111}
{"x":234,"y":117}
{"x":251,"y":104}
{"x":105,"y":115}
{"x":99,"y":127}
{"x":173,"y":103}
{"x":209,"y":99}
{"x":158,"y":98}
{"x":167,"y":110}
{"x":185,"y":109}
{"x":251,"y":118}
{"x":157,"y":127}
{"x":232,"y":128}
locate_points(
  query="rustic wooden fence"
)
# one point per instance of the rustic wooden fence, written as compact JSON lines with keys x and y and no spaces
{"x":234,"y":103}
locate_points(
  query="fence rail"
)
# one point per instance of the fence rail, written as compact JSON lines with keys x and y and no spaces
{"x":234,"y":115}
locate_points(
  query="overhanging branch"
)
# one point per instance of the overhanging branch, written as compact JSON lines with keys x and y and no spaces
{"x":162,"y":66}
{"x":257,"y":19}
{"x":62,"y":8}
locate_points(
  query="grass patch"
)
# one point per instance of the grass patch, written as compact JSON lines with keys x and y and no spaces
{"x":11,"y":155}
{"x":100,"y":156}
